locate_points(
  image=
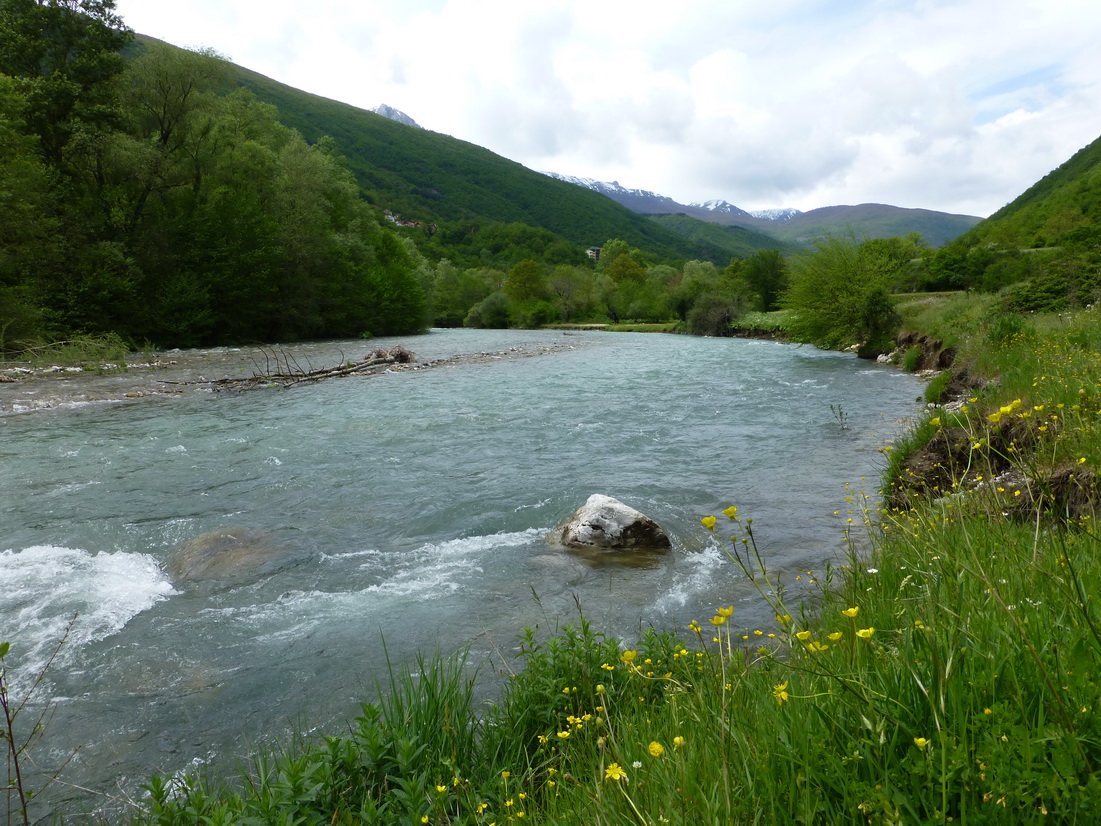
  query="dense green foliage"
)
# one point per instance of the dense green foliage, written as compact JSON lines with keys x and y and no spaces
{"x":141,"y":201}
{"x":838,"y":295}
{"x":1066,"y":200}
{"x":1042,"y":251}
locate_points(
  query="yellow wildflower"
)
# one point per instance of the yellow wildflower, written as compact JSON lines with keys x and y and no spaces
{"x":780,"y":692}
{"x":803,"y":636}
{"x":726,"y":612}
{"x":865,"y":633}
{"x":628,"y":656}
{"x":717,"y":620}
{"x":709,"y":522}
{"x":835,"y":636}
{"x":921,"y":742}
{"x":615,"y":772}
{"x":656,"y":749}
{"x":817,"y":646}
{"x":731,"y":512}
{"x":678,"y":742}
{"x":441,"y":789}
{"x":851,"y":612}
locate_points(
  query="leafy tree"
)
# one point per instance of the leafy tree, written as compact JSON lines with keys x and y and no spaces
{"x":765,"y":274}
{"x":625,"y":269}
{"x":526,"y":281}
{"x":66,"y":54}
{"x":838,"y":295}
{"x":570,"y":289}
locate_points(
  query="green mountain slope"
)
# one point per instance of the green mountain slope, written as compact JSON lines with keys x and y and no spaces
{"x":1066,"y":199}
{"x":866,"y":221}
{"x":734,"y":241}
{"x":427,"y":176}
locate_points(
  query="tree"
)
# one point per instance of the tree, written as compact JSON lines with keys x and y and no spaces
{"x":525,"y":281}
{"x":838,"y":296}
{"x":765,"y":273}
{"x":67,"y":53}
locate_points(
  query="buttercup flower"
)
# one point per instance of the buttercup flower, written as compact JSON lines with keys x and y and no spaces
{"x":921,"y":743}
{"x":731,"y":512}
{"x":656,"y":749}
{"x":614,"y":772}
{"x":709,"y":522}
{"x":628,"y":656}
{"x":725,"y":612}
{"x":802,"y":636}
{"x":678,"y":742}
{"x":851,"y":612}
{"x":835,"y":636}
{"x":865,"y":633}
{"x":780,"y":692}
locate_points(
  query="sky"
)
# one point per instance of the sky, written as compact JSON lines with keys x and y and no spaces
{"x":951,"y":105}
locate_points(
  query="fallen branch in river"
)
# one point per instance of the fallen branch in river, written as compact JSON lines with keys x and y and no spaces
{"x":283,"y":371}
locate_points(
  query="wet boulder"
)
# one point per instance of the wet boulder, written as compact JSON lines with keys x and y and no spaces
{"x":231,"y":555}
{"x":606,"y":524}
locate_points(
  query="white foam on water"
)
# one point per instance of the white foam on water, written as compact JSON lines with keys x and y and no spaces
{"x":43,"y":587}
{"x":429,"y":572}
{"x":697,"y":578}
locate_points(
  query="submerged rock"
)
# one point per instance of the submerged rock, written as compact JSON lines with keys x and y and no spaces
{"x":228,"y":554}
{"x":604,"y":523}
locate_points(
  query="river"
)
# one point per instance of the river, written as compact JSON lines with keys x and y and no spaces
{"x":414,"y":507}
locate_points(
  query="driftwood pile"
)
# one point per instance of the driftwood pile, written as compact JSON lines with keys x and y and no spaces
{"x":282,"y":370}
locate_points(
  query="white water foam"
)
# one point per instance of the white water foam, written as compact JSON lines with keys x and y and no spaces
{"x":43,"y":587}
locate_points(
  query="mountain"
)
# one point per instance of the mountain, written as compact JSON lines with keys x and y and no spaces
{"x":865,"y":221}
{"x":791,"y":225}
{"x":775,"y":214}
{"x":1068,"y":199}
{"x":738,"y":242}
{"x":426,"y":176}
{"x":395,"y":115}
{"x":641,"y":201}
{"x":722,"y":208}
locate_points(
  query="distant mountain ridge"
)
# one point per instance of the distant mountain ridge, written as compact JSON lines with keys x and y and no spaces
{"x":791,"y":225}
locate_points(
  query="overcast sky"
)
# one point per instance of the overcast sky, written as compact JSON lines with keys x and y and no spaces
{"x":953,"y":105}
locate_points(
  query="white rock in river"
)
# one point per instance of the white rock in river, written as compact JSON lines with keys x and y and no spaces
{"x":606,"y":523}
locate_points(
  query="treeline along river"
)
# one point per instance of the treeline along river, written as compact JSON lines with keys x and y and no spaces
{"x":412,"y":509}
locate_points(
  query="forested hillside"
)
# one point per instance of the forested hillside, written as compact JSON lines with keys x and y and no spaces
{"x":1043,"y":248}
{"x":1062,"y":206}
{"x":140,"y":202}
{"x":427,"y":176}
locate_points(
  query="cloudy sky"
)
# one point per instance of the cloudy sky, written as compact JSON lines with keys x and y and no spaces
{"x":954,"y":105}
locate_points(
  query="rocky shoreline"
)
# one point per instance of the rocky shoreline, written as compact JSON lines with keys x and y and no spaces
{"x":25,"y":389}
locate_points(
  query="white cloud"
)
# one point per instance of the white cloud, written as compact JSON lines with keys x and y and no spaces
{"x":956,"y":105}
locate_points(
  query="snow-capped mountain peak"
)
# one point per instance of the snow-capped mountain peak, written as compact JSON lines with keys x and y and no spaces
{"x":395,"y":115}
{"x":783,"y":214}
{"x":721,"y":207}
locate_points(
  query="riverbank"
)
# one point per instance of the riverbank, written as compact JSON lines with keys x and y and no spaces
{"x":26,"y":388}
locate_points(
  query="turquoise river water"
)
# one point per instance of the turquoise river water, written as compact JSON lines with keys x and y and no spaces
{"x":416,"y":507}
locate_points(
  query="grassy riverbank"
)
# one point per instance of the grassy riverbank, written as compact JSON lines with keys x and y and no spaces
{"x":947,"y":674}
